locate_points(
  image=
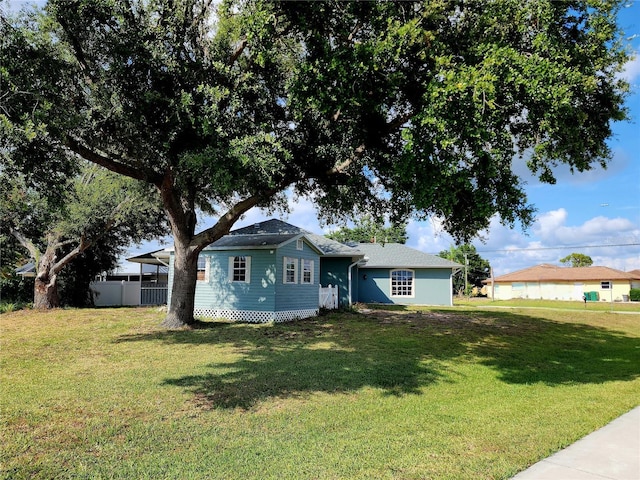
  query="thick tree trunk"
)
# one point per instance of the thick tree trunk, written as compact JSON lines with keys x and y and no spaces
{"x":45,"y":292}
{"x":45,"y":295}
{"x":180,"y":209}
{"x":183,"y":288}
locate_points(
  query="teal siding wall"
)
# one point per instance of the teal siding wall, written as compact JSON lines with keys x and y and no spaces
{"x":266,"y":290}
{"x":335,"y":271}
{"x":219,"y":293}
{"x":296,"y":296}
{"x":432,"y":287}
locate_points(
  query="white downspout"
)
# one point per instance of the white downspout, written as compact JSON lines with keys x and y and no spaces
{"x":361,"y":261}
{"x":349,"y":282}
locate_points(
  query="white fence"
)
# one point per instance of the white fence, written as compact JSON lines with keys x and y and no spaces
{"x":328,"y":297}
{"x":114,"y":293}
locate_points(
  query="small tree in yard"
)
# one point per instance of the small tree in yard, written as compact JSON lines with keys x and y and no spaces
{"x":56,"y":226}
{"x":387,"y":108}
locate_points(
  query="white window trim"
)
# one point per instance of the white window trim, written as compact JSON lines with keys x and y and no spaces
{"x":295,"y":262}
{"x":609,"y":285}
{"x":311,"y":270}
{"x":413,"y":283}
{"x":300,"y":244}
{"x":247,"y":275}
{"x":207,"y":267}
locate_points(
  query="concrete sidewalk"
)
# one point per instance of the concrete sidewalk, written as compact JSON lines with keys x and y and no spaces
{"x":613,"y":453}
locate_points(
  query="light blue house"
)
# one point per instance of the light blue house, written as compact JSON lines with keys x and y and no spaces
{"x":394,"y":273}
{"x":273,"y":271}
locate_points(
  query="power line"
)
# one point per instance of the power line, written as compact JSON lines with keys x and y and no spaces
{"x":533,"y":249}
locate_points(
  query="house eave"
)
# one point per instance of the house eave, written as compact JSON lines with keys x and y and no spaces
{"x":413,"y":267}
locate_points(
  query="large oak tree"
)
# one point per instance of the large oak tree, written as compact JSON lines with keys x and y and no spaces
{"x":403,"y":108}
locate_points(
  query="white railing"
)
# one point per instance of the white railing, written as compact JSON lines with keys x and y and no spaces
{"x":328,"y":297}
{"x":153,"y":293}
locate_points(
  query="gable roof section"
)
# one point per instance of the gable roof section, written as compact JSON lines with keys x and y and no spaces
{"x":396,"y":255}
{"x":550,"y":273}
{"x":264,"y":240}
{"x":273,"y":229}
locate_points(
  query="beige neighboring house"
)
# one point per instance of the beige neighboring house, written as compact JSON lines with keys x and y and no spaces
{"x":551,"y":282}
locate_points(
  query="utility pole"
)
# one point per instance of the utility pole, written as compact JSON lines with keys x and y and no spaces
{"x":466,"y":265}
{"x":493,"y":290}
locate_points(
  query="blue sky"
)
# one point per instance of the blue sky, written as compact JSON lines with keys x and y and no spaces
{"x":596,"y":213}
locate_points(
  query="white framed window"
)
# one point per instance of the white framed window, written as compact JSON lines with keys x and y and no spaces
{"x":307,"y":271}
{"x":203,"y":268}
{"x":402,"y":283}
{"x":290,"y":270}
{"x":299,"y":244}
{"x":605,"y":285}
{"x":240,"y":269}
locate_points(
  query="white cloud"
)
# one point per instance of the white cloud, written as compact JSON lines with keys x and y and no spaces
{"x":428,"y":236}
{"x":632,"y":68}
{"x":551,"y":227}
{"x":552,"y":238}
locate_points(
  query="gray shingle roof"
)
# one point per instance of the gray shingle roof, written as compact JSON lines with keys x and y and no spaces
{"x":273,"y":229}
{"x":272,"y":226}
{"x":273,"y":232}
{"x":262,"y":240}
{"x":396,"y":255}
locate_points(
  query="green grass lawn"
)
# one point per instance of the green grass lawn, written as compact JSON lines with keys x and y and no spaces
{"x":560,"y":304}
{"x":439,"y":393}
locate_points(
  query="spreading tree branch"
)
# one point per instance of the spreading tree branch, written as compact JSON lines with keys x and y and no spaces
{"x":60,"y":264}
{"x":227,"y":220}
{"x":341,"y":167}
{"x":236,"y":54}
{"x":26,"y":243}
{"x":138,"y":173}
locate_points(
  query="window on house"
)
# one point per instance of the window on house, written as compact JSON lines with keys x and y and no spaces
{"x":299,"y":244}
{"x":202,"y":267}
{"x":240,"y":269}
{"x":605,"y":285}
{"x":401,"y":283}
{"x":290,"y":270}
{"x":307,"y":271}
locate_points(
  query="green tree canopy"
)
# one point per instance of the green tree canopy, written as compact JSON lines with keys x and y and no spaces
{"x":577,"y":260}
{"x":475,"y":268}
{"x":370,"y":230}
{"x":396,"y":108}
{"x":94,"y":208}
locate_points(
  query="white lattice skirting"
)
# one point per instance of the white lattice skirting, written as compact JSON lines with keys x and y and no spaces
{"x":254,"y":316}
